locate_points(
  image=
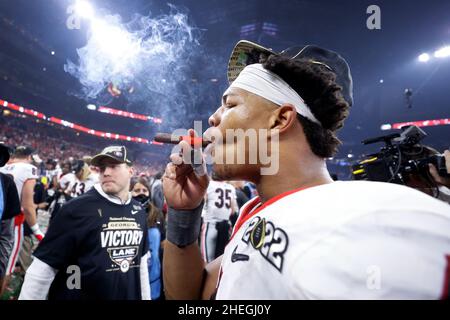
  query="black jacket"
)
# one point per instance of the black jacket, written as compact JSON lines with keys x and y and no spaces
{"x":11,"y":202}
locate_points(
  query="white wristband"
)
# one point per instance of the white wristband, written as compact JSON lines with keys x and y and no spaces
{"x":35,"y":228}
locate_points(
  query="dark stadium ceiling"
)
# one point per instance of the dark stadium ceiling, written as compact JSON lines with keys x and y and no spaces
{"x":384,"y":62}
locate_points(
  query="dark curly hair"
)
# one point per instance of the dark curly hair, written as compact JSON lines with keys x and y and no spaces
{"x":317,"y":86}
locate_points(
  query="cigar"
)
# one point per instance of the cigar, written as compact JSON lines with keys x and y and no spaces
{"x":169,"y":138}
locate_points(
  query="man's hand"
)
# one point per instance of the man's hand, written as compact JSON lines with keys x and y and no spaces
{"x":183,"y":187}
{"x":434,"y":173}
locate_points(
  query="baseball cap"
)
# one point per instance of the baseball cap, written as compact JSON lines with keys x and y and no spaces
{"x":247,"y":52}
{"x":4,"y":154}
{"x":117,"y":153}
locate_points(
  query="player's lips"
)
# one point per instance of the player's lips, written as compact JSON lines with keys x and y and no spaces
{"x":210,"y":134}
{"x":108,"y":181}
{"x":209,"y":150}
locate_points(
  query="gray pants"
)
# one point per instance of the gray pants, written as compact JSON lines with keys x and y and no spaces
{"x":6,"y":244}
{"x":213,"y":238}
{"x":25,"y":256}
{"x":208,"y":238}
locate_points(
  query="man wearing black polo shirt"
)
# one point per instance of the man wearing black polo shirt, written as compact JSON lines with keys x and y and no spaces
{"x":96,"y":247}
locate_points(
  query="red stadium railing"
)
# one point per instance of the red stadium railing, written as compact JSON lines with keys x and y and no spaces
{"x":421,"y":123}
{"x":127,"y":114}
{"x":74,"y":126}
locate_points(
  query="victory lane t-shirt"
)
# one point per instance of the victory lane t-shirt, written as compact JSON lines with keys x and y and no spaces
{"x":100,"y":240}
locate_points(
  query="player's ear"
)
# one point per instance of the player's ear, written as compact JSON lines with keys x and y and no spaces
{"x":283,"y":117}
{"x":131,"y":170}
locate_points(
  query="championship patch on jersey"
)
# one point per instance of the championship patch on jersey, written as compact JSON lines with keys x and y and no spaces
{"x":258,"y":234}
{"x":270,"y":241}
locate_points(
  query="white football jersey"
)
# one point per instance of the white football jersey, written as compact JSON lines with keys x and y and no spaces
{"x":52,"y":173}
{"x":343,"y":240}
{"x":78,"y":187}
{"x":218,"y":203}
{"x":21,"y":172}
{"x":66,"y":180}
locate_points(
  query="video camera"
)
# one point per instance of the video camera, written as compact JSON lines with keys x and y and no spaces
{"x":402,"y":155}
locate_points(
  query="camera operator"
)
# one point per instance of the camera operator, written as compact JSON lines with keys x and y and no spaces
{"x":405,"y":160}
{"x":443,"y":182}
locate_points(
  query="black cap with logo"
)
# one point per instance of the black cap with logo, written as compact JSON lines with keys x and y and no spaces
{"x":117,"y":153}
{"x":247,"y":52}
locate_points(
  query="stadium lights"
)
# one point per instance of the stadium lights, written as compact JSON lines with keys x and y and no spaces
{"x":114,"y":42}
{"x":91,"y":107}
{"x":424,"y":57}
{"x":84,"y":9}
{"x":111,"y":39}
{"x":443,"y":52}
{"x":127,"y":114}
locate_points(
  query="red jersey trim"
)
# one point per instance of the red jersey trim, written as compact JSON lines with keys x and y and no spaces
{"x":247,"y":213}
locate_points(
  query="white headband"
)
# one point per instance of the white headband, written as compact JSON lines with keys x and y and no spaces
{"x":260,"y":81}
